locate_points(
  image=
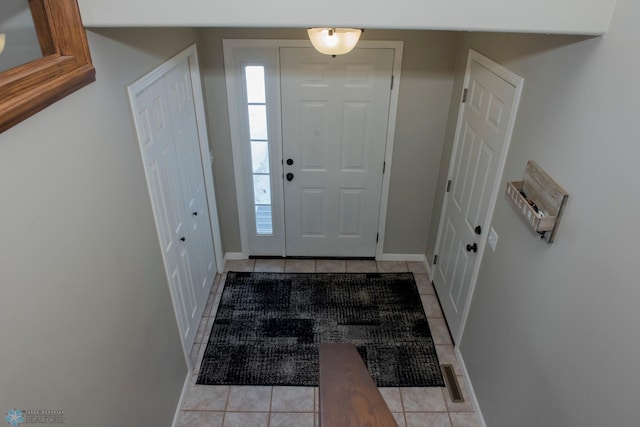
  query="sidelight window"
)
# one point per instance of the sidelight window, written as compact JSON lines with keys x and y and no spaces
{"x":259,"y":142}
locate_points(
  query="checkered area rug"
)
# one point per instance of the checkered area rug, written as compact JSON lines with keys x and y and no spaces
{"x":269,"y":326}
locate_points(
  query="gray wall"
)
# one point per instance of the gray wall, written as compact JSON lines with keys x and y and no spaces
{"x":552,"y":334}
{"x":427,"y":76}
{"x":87,"y":324}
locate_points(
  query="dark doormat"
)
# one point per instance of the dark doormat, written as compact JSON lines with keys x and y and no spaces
{"x":269,"y":326}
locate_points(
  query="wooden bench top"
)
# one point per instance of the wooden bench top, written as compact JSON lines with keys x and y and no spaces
{"x":348,"y":395}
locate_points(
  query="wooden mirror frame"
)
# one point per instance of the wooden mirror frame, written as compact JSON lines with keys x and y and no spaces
{"x":64,"y":68}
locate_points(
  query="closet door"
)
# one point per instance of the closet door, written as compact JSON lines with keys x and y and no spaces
{"x":191,"y":176}
{"x":164,"y":111}
{"x":160,"y":157}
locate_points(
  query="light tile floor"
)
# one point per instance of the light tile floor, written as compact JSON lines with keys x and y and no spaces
{"x":251,"y":406}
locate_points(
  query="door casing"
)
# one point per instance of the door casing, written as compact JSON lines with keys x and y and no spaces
{"x":518,"y":83}
{"x":229,"y":47}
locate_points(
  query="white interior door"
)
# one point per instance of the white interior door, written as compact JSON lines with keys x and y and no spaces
{"x":185,"y":136}
{"x":482,"y":139}
{"x":160,"y":158}
{"x":165,"y":112}
{"x":335,"y":113}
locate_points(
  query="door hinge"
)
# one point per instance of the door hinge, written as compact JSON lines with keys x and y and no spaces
{"x":448,"y":186}
{"x":435,"y":259}
{"x":464,"y":96}
{"x":377,"y":237}
{"x":384,"y":167}
{"x":392,"y":77}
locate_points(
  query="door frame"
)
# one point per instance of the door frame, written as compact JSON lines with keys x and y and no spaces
{"x":189,"y":54}
{"x":518,"y":83}
{"x":236,"y":140}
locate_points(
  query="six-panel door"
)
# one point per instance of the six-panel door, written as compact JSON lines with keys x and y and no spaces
{"x":334,"y":114}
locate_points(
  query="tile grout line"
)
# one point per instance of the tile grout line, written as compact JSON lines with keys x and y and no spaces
{"x":404,"y":413}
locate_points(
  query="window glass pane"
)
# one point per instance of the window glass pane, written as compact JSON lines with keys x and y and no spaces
{"x":264,"y":220}
{"x":261,"y":190}
{"x":260,"y":156}
{"x":257,"y":109}
{"x":258,"y":121}
{"x":255,"y":84}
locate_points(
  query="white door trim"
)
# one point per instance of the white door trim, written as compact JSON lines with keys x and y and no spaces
{"x":518,"y":83}
{"x":232,"y":98}
{"x":391,"y":131}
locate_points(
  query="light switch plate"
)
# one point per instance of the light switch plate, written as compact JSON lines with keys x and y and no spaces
{"x":493,"y":239}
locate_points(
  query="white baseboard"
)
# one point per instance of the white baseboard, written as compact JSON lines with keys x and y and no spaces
{"x":472,"y":393}
{"x":233,"y":256}
{"x":410,"y":257}
{"x":428,"y":268}
{"x":185,"y":387}
{"x":403,"y":257}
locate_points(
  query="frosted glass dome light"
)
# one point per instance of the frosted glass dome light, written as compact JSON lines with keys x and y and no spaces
{"x":334,"y":41}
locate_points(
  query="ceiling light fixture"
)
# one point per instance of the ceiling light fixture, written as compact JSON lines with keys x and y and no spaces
{"x":2,"y":40}
{"x":334,"y":41}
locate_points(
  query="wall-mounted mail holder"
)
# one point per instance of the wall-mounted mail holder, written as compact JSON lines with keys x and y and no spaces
{"x":539,"y":200}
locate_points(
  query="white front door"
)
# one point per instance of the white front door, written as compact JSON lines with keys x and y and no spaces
{"x":335,"y":115}
{"x":482,"y":138}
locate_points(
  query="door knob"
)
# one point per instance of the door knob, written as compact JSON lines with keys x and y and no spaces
{"x":473,"y":247}
{"x":478,"y":230}
{"x":289,"y":176}
{"x":289,"y":162}
{"x":183,"y":239}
